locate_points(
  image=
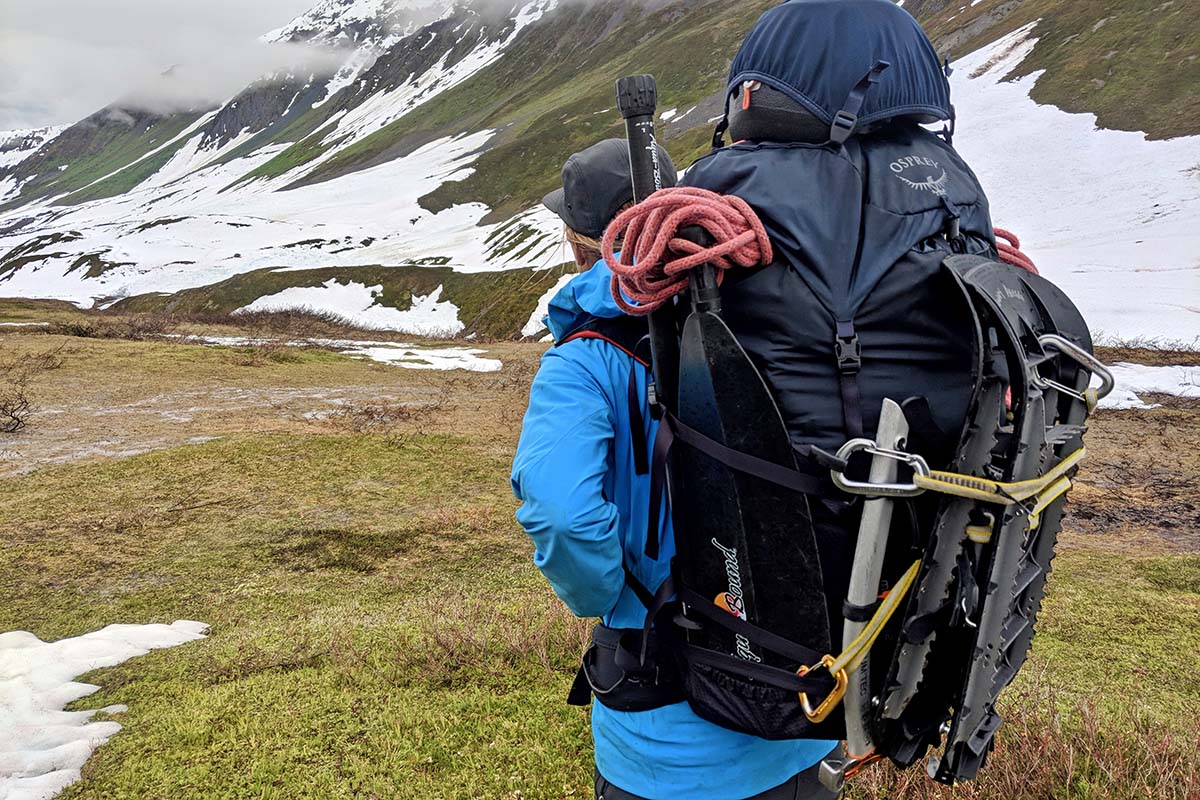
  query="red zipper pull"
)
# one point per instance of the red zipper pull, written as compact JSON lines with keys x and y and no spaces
{"x":747,"y":88}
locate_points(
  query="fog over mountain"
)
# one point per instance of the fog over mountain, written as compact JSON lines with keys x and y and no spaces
{"x":60,"y":60}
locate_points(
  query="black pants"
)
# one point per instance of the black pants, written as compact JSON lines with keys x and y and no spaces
{"x":804,"y":786}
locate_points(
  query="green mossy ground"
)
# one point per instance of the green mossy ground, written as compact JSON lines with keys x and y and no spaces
{"x":378,"y":629}
{"x":1133,"y":63}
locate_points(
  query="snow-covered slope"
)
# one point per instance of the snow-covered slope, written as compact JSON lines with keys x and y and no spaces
{"x":1108,"y":215}
{"x":354,"y":23}
{"x":15,"y":147}
{"x":199,"y":219}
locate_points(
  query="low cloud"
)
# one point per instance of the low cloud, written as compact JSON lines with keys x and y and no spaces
{"x":61,"y":60}
{"x":193,"y":84}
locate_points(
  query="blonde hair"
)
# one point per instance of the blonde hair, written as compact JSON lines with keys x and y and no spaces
{"x":586,"y":242}
{"x":586,"y":246}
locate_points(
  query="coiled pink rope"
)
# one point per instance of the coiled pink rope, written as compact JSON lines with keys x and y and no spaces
{"x":655,"y":260}
{"x":1010,"y":251}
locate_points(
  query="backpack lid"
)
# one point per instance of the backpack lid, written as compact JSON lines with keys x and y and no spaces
{"x":819,"y":53}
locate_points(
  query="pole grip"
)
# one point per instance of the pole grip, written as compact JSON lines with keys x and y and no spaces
{"x":637,"y":96}
{"x":637,"y":99}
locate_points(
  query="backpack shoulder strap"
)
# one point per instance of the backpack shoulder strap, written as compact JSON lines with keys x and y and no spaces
{"x":625,"y":333}
{"x":630,"y":335}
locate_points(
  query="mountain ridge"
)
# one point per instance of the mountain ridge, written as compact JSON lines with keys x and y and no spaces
{"x":430,"y":143}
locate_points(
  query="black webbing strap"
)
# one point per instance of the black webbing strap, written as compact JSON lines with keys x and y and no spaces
{"x":853,"y":612}
{"x":671,"y":429}
{"x":637,"y":423}
{"x":769,"y":471}
{"x":664,"y":440}
{"x":848,"y":350}
{"x":818,"y":682}
{"x":753,"y":634}
{"x":846,"y":119}
{"x":644,"y":595}
{"x":654,"y":603}
{"x":718,"y":140}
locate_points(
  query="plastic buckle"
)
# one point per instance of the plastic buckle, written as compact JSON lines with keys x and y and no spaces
{"x":843,"y":126}
{"x":849,"y":354}
{"x":656,"y":410}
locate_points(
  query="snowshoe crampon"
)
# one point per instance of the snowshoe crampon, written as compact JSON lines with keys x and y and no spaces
{"x":969,"y":620}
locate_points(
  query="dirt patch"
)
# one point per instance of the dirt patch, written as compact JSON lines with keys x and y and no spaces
{"x":115,"y":398}
{"x":1151,"y":358}
{"x":1139,"y":488}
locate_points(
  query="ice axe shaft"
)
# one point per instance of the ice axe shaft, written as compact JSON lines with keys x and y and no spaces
{"x":865,"y":576}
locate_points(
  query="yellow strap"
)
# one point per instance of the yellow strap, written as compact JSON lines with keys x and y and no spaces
{"x":1057,"y":490}
{"x":852,"y":657}
{"x":988,"y":491}
{"x":982,"y":534}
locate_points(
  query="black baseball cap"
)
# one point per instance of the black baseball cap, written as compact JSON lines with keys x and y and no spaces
{"x":596,"y":183}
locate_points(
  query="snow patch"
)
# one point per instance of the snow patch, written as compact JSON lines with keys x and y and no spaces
{"x":537,"y":320}
{"x":1135,"y":379}
{"x":18,"y":145}
{"x":428,"y":315}
{"x":400,"y":354}
{"x":42,"y":747}
{"x":410,"y":357}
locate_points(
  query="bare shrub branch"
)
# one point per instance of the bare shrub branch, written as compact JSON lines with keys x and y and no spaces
{"x":16,"y":374}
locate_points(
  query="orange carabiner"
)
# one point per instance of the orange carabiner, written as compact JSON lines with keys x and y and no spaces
{"x":840,"y":681}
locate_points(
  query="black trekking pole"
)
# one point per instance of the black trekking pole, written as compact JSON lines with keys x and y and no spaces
{"x":637,"y":99}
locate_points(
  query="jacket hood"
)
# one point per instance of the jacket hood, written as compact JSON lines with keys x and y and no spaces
{"x":588,"y":295}
{"x":816,"y":51}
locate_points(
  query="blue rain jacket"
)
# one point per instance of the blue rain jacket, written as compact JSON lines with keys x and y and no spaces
{"x":585,"y":509}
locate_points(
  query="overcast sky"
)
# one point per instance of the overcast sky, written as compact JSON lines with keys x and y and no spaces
{"x":60,"y":60}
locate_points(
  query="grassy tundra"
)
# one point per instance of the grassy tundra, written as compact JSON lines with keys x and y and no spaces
{"x":378,"y":630}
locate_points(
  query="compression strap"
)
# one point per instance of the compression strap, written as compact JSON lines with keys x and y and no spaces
{"x":989,"y":491}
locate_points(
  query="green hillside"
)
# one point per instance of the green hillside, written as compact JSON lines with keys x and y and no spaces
{"x":491,"y":304}
{"x":102,"y":156}
{"x":1133,"y":63}
{"x":552,"y":94}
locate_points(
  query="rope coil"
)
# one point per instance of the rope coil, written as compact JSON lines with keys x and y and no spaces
{"x":654,"y":263}
{"x":1010,"y":251}
{"x":655,"y":259}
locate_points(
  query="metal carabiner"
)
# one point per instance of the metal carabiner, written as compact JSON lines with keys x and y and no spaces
{"x":917,"y":464}
{"x":1084,"y":359}
{"x":840,"y":681}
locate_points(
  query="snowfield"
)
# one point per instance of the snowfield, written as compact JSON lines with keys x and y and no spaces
{"x":1136,"y":379}
{"x":42,"y":747}
{"x":1111,"y":217}
{"x":428,"y":316}
{"x":400,"y":354}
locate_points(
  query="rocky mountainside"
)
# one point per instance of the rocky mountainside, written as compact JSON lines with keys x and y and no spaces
{"x":410,"y":165}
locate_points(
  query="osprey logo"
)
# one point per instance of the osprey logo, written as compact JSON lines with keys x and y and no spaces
{"x":918,"y":172}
